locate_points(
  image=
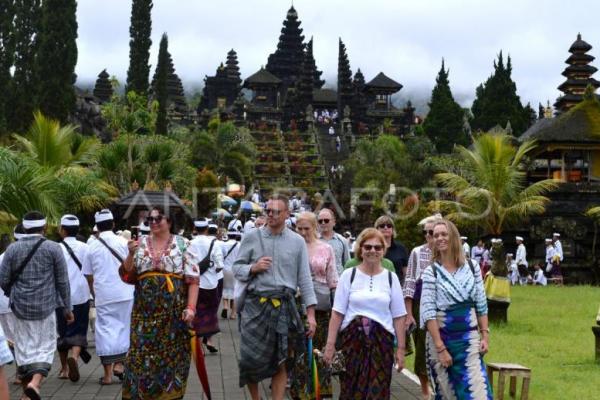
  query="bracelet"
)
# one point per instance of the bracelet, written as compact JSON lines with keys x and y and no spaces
{"x":485,"y":330}
{"x":442,"y":350}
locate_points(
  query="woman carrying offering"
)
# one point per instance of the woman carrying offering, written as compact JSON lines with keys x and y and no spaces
{"x":454,"y":311}
{"x":369,"y":309}
{"x":165,"y":275}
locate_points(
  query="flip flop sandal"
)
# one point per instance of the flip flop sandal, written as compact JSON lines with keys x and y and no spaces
{"x":62,"y":376}
{"x":120,"y":374}
{"x":102,"y":383}
{"x":32,"y":393}
{"x":73,"y":369}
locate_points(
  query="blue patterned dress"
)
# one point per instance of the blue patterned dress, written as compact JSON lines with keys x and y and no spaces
{"x":455,"y":300}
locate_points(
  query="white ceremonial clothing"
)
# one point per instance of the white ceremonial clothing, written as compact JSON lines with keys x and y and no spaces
{"x":521,"y":257}
{"x":112,"y":331}
{"x":513,"y":271}
{"x":466,"y":249}
{"x":539,"y":278}
{"x":235,"y":225}
{"x":255,"y":198}
{"x":550,"y":251}
{"x":370,"y":297}
{"x":228,"y":260}
{"x":200,"y":246}
{"x":34,"y":340}
{"x":91,"y":239}
{"x":249,"y":225}
{"x":558,"y":249}
{"x":80,"y":290}
{"x":104,"y":267}
{"x":6,"y":356}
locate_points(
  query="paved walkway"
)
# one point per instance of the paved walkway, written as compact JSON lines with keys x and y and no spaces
{"x":222,"y":371}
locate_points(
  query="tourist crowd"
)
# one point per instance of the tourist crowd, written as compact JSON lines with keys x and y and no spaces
{"x":298,"y":288}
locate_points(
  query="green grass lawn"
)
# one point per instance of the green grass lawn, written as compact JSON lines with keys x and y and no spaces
{"x":549,"y":331}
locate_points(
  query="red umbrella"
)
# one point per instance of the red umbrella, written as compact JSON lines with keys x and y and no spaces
{"x":198,"y":354}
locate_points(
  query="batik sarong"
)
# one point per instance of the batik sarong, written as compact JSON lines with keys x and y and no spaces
{"x":112,"y":331}
{"x":269,"y":325}
{"x":74,"y":334}
{"x":35,"y":344}
{"x":158,"y":362}
{"x":300,"y":374}
{"x":466,"y":378}
{"x":369,"y":356}
{"x":206,"y":322}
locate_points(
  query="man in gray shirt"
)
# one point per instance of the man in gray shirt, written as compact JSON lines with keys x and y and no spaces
{"x":326,"y":220}
{"x":273,"y":261}
{"x":34,"y":276}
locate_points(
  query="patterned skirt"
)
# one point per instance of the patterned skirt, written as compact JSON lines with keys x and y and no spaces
{"x":158,"y":362}
{"x":206,"y":322}
{"x":300,"y":374}
{"x":466,"y":378}
{"x":369,"y":357}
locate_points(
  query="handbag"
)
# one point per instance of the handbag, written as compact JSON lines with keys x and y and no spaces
{"x":323,"y":294}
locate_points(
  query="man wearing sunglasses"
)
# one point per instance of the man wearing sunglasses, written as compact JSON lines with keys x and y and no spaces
{"x":326,"y":220}
{"x":273,"y":262}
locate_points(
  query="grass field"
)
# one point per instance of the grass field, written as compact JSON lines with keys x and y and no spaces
{"x":549,"y":331}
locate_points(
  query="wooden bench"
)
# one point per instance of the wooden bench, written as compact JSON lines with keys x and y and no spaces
{"x":513,"y":371}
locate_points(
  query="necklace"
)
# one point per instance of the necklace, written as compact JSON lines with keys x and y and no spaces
{"x":157,"y":257}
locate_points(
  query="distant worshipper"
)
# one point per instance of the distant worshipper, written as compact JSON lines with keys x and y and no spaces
{"x":513,"y":270}
{"x":538,"y":276}
{"x":113,"y":297}
{"x":557,"y":246}
{"x":550,"y":252}
{"x":465,"y":246}
{"x":331,"y":130}
{"x":34,"y":275}
{"x":521,"y":260}
{"x":73,"y":337}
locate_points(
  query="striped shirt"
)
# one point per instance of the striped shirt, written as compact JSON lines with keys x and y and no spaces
{"x":462,"y":286}
{"x":419,"y":259}
{"x":43,"y":285}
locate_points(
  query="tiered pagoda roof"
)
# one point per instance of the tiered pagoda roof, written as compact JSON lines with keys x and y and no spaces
{"x":286,"y":62}
{"x":579,"y":75}
{"x":382,"y":83}
{"x":262,"y":77}
{"x":103,"y":89}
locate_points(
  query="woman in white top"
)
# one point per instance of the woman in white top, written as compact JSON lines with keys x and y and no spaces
{"x":369,"y":309}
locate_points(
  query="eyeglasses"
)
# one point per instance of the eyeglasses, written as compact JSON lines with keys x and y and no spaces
{"x":428,"y":232}
{"x":298,"y":228}
{"x":152,"y":220}
{"x":275,"y":213}
{"x":388,"y":226}
{"x":324,"y":221}
{"x":369,"y":247}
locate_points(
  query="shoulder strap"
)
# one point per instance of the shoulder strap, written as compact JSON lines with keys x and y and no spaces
{"x":471,"y":266}
{"x":19,"y":271}
{"x":72,"y":254}
{"x":390,"y":278}
{"x":352,"y":275}
{"x":114,"y":253}
{"x":230,"y":250}
{"x":211,"y":247}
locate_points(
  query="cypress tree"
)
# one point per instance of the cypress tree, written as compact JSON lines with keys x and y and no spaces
{"x":139,"y":46}
{"x":160,"y":85}
{"x":7,"y":15}
{"x":56,"y":58}
{"x":444,"y":123}
{"x":23,"y":99}
{"x":497,"y":102}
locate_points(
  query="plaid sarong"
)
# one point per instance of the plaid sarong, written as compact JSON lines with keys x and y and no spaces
{"x":269,"y":323}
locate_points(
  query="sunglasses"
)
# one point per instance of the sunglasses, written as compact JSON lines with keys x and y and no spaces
{"x":324,"y":221}
{"x":275,"y":213}
{"x":369,"y":247}
{"x":381,"y":226}
{"x":303,"y":229}
{"x":428,"y":232}
{"x":152,"y":220}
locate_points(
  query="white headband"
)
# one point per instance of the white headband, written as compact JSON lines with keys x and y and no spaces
{"x":69,"y":220}
{"x":103,"y":215}
{"x":34,"y":223}
{"x":201,"y":224}
{"x":518,"y":238}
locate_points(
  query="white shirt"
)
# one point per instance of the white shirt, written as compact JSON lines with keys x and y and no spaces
{"x":558,"y":249}
{"x":91,"y":239}
{"x":199,"y":246}
{"x":4,"y":301}
{"x":104,"y":266}
{"x":229,"y":259}
{"x":550,"y":252}
{"x":521,"y":258}
{"x":80,"y":290}
{"x":249,"y":225}
{"x":467,"y":250}
{"x":381,"y":303}
{"x":256,"y":198}
{"x":539,"y":278}
{"x":235,"y":225}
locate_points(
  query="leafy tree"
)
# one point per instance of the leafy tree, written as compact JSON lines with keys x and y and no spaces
{"x":23,"y":93}
{"x":56,"y":58}
{"x":7,"y":15}
{"x":160,"y":85}
{"x":206,"y":183}
{"x":497,"y":103}
{"x":490,"y":190}
{"x":444,"y":123}
{"x":139,"y":46}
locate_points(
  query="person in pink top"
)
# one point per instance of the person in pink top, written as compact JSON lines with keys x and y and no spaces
{"x":325,"y":278}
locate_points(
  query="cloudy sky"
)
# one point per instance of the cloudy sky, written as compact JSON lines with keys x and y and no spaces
{"x":405,"y":39}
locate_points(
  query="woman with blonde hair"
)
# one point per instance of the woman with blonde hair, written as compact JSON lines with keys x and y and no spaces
{"x":369,"y":309}
{"x":454,"y":311}
{"x":324,"y":273}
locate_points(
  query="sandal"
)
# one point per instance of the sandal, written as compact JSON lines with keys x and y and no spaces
{"x":119,"y":374}
{"x":61,"y":375}
{"x":102,"y":383}
{"x":32,"y":393}
{"x":73,"y":369}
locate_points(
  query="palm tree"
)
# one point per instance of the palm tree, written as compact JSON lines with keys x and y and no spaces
{"x":491,"y":189}
{"x":54,"y":146}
